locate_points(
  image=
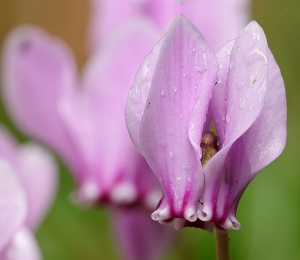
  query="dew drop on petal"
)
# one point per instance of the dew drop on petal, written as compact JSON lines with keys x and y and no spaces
{"x":227,"y":118}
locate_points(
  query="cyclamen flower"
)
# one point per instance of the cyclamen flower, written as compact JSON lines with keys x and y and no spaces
{"x":182,"y":87}
{"x":27,"y":185}
{"x":84,"y":123}
{"x":218,"y":20}
{"x":85,"y":126}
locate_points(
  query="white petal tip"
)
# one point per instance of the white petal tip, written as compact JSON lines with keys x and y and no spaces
{"x":205,"y":214}
{"x":124,"y":193}
{"x":87,"y":194}
{"x":160,"y":215}
{"x":190,"y":214}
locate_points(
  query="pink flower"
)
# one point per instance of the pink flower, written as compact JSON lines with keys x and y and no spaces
{"x":218,"y":20}
{"x":83,"y":121}
{"x":27,"y":186}
{"x":169,"y":114}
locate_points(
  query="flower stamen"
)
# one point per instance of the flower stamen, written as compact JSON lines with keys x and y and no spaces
{"x":210,"y":146}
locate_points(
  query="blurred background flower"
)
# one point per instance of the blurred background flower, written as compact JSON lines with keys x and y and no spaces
{"x":28,"y":185}
{"x":269,"y":209}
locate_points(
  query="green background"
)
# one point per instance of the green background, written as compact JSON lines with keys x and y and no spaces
{"x":269,"y":210}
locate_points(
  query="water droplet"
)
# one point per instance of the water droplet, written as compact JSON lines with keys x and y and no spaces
{"x":162,"y":92}
{"x":227,"y":118}
{"x":194,"y":48}
{"x":183,"y":74}
{"x":175,"y":89}
{"x":181,"y":116}
{"x":220,"y":65}
{"x":171,"y":155}
{"x":219,"y":81}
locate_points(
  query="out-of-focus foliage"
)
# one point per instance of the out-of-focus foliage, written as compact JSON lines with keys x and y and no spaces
{"x":269,"y":210}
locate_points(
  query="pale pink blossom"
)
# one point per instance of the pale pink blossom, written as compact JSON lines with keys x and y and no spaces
{"x":187,"y":87}
{"x":27,"y":187}
{"x":83,"y":120}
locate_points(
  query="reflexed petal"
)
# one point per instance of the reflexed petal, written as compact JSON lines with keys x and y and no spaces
{"x":266,"y":138}
{"x":218,"y":102}
{"x":171,"y":127}
{"x":9,"y":148}
{"x":112,"y":159}
{"x":231,"y":173}
{"x":138,"y":236}
{"x":106,"y":17}
{"x":137,"y":97}
{"x":218,"y":20}
{"x":38,"y":71}
{"x":39,"y":177}
{"x":36,"y":171}
{"x":228,"y":173}
{"x":247,"y":81}
{"x":13,"y":205}
{"x":23,"y":246}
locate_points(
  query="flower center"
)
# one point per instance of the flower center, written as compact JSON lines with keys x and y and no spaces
{"x":210,"y":146}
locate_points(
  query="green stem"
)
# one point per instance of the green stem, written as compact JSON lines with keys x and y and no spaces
{"x":222,"y":244}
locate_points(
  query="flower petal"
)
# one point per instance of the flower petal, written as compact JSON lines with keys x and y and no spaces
{"x":137,"y":97}
{"x":106,"y":17}
{"x":171,"y":127}
{"x":113,"y":163}
{"x":38,"y":71}
{"x":23,"y":246}
{"x":39,"y":177}
{"x":228,"y":173}
{"x":246,"y":82}
{"x":217,"y":105}
{"x":218,"y":20}
{"x":109,"y":16}
{"x":266,"y":138}
{"x":36,"y":171}
{"x":138,"y":236}
{"x":13,"y":205}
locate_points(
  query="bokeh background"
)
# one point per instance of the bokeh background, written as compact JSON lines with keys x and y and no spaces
{"x":270,"y":208}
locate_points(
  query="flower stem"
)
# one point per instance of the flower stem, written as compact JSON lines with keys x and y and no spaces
{"x":222,"y":244}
